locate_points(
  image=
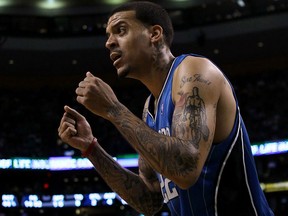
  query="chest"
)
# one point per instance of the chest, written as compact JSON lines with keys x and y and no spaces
{"x":160,"y":114}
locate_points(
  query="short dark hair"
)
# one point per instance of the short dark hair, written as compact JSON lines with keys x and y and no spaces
{"x":150,"y":13}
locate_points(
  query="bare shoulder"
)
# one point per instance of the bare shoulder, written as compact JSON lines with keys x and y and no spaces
{"x":200,"y":67}
{"x":199,"y":76}
{"x":198,"y":72}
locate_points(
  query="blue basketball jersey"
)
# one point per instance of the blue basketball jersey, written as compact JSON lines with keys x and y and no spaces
{"x":228,"y":184}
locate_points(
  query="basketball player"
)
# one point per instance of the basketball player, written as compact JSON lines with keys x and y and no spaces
{"x":194,"y":150}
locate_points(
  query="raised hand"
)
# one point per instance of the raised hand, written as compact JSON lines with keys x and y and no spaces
{"x":96,"y":95}
{"x":75,"y":130}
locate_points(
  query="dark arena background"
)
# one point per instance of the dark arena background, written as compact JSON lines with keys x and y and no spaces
{"x":47,"y":46}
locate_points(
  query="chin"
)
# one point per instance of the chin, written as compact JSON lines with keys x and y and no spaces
{"x":123,"y":72}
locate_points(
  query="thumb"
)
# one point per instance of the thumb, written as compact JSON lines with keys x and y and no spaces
{"x":73,"y":113}
{"x":89,"y":74}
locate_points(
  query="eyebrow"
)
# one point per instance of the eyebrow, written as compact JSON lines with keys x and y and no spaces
{"x":117,"y":23}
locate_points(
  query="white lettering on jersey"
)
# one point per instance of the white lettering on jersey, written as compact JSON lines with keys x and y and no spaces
{"x":168,"y":188}
{"x":165,"y":131}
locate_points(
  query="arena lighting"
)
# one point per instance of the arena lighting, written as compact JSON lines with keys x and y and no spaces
{"x":128,"y":161}
{"x":4,"y":3}
{"x":91,"y":199}
{"x":268,"y":148}
{"x":51,"y":4}
{"x":275,"y":187}
{"x":9,"y":201}
{"x":241,"y":3}
{"x":180,"y":1}
{"x":115,"y":2}
{"x":60,"y":163}
{"x":61,"y":200}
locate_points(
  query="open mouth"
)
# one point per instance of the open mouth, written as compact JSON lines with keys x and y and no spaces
{"x":114,"y":56}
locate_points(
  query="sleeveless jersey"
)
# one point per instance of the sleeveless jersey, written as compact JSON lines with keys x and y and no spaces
{"x":228,"y":184}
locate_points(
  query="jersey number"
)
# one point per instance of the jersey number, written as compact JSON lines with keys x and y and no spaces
{"x":168,"y":189}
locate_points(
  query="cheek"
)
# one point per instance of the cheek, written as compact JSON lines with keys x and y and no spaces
{"x":139,"y":55}
{"x":136,"y":47}
{"x":140,"y":47}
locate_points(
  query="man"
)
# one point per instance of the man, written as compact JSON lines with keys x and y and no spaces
{"x":194,"y":151}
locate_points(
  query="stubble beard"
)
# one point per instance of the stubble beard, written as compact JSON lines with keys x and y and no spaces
{"x":124,"y":73}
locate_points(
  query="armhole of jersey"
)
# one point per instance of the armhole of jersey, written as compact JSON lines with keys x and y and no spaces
{"x":177,"y":62}
{"x":146,"y":106}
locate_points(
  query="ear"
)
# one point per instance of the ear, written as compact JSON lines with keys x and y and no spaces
{"x":156,"y":33}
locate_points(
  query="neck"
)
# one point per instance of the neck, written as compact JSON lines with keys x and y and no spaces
{"x":155,"y":79}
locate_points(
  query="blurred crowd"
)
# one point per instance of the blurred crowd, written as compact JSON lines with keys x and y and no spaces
{"x":30,"y":117}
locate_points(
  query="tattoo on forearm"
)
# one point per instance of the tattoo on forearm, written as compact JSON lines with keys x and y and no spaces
{"x":181,"y":160}
{"x":142,"y":138}
{"x":189,"y":121}
{"x":128,"y":185}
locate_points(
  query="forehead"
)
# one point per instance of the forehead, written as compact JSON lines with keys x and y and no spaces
{"x":123,"y":16}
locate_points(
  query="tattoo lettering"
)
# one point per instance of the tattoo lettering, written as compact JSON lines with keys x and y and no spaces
{"x":195,"y":78}
{"x":198,"y":78}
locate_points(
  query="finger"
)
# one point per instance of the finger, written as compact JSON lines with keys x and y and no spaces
{"x":90,"y":77}
{"x":71,"y":131}
{"x":67,"y":133}
{"x":80,"y":91}
{"x":66,"y":121}
{"x":61,"y":124}
{"x":82,"y":84}
{"x":69,"y":121}
{"x":80,"y":99}
{"x":76,"y":115}
{"x":69,"y":118}
{"x":67,"y":129}
{"x":89,"y":74}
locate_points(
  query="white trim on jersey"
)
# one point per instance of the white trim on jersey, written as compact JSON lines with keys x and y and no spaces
{"x":246,"y":177}
{"x":224,"y":163}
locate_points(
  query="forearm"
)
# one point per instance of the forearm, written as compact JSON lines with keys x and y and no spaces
{"x":128,"y":185}
{"x":170,"y":156}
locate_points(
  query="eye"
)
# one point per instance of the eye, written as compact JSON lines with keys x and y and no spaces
{"x":121,"y":30}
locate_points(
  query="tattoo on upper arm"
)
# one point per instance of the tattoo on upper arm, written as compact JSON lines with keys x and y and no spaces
{"x":195,"y":78}
{"x":190,"y":119}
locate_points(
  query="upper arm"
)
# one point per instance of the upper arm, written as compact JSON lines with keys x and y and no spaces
{"x":196,"y":91}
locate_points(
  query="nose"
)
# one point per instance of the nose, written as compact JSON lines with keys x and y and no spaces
{"x":111,"y":42}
